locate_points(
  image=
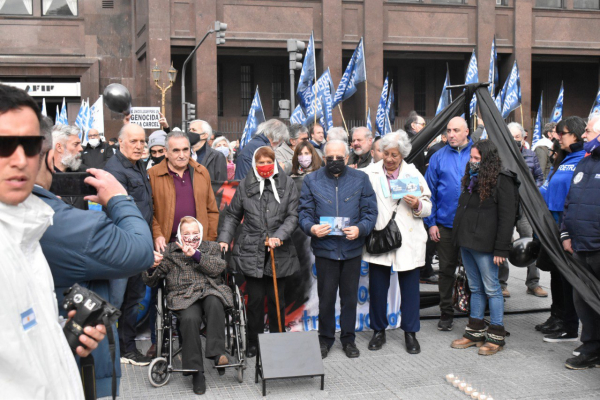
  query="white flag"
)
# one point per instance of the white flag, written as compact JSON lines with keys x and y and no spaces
{"x":97,"y":116}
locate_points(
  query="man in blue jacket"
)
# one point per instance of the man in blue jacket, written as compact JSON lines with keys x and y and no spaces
{"x":337,"y":191}
{"x":446,"y":169}
{"x":90,"y":248}
{"x":270,"y":133}
{"x":580,"y":235}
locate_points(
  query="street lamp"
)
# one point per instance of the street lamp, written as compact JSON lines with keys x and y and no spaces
{"x":172,"y":74}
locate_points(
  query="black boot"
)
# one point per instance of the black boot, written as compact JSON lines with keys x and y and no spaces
{"x":377,"y":341}
{"x":411,"y":342}
{"x":199,"y":383}
{"x":550,"y":321}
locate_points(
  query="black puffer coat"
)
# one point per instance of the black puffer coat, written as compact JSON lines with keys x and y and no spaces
{"x":262,"y":215}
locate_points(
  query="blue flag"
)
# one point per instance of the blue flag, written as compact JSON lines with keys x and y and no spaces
{"x":537,"y":129}
{"x":44,"y":112}
{"x":381,"y":109}
{"x":369,"y":125}
{"x":57,"y":115}
{"x":298,"y":116}
{"x":62,"y":118}
{"x":472,"y":77}
{"x":387,"y":128}
{"x":558,"y":107}
{"x":355,"y":73}
{"x":307,"y":75}
{"x":596,"y":107}
{"x":256,"y":116}
{"x":493,"y":74}
{"x":80,"y":120}
{"x":390,"y":110}
{"x":446,"y":96}
{"x":512,"y":98}
{"x":499,"y":100}
{"x":321,"y":102}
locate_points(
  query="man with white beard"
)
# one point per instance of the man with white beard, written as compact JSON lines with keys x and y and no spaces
{"x":96,"y":152}
{"x":362,"y":140}
{"x":67,"y":158}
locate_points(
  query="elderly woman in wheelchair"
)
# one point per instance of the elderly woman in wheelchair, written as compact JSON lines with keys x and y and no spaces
{"x":195,"y":290}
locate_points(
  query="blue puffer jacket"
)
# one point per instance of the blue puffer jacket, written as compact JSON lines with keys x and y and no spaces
{"x":349,"y":195}
{"x":581,"y":218}
{"x":534,"y":165}
{"x":243,"y":163}
{"x":91,"y":247}
{"x":556,"y":187}
{"x":446,"y":170}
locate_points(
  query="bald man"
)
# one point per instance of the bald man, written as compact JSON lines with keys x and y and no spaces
{"x":128,"y":168}
{"x":444,"y":175}
{"x":96,"y":152}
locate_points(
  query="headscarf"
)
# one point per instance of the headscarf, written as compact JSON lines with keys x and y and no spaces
{"x":261,"y":180}
{"x":180,"y":238}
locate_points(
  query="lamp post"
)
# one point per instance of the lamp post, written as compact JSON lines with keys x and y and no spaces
{"x":172,"y":73}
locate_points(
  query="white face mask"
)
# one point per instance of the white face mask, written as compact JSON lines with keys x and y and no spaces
{"x":94,"y":142}
{"x":224,"y":150}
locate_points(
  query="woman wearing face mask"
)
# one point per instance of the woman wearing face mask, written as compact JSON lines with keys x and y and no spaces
{"x":563,"y":324}
{"x":483,"y":228}
{"x":305,"y":160}
{"x":222,"y":145}
{"x":195,"y":288}
{"x":267,"y":201}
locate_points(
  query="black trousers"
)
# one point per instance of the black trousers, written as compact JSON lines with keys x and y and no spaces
{"x":190,"y":321}
{"x":331,"y":276}
{"x":256,"y":288}
{"x":590,"y":320}
{"x":426,"y":270}
{"x":448,"y":254}
{"x":134,"y":294}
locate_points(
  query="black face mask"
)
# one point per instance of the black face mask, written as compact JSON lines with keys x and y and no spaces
{"x":519,"y":143}
{"x":157,"y":160}
{"x":335,"y":167}
{"x":194,"y":138}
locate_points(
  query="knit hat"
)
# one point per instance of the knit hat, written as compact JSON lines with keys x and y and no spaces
{"x":157,"y":138}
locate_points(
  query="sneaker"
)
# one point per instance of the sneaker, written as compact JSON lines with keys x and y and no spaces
{"x":446,"y":322}
{"x":430,"y":280}
{"x":561,"y":336}
{"x":135,"y":358}
{"x":577,"y":351}
{"x":537,"y":292}
{"x":583,"y":361}
{"x":505,"y":292}
{"x":351,"y":350}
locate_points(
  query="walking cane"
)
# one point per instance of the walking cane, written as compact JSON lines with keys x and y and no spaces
{"x":275,"y":283}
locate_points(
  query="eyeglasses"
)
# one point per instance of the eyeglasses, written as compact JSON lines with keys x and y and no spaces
{"x":334,"y":158}
{"x":421,"y":123}
{"x":32,"y":145}
{"x":560,"y":134}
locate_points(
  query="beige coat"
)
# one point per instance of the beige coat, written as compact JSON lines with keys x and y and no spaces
{"x":411,"y":254}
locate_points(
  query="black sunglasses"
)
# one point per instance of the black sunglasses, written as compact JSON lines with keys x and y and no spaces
{"x":32,"y":145}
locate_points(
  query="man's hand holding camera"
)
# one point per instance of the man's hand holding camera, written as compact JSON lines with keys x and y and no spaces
{"x":93,"y":336}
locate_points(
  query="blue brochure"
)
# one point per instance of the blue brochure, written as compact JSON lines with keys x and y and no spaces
{"x":337,"y":224}
{"x":405,"y":186}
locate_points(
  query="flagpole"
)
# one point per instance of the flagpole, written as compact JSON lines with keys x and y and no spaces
{"x":342,"y":114}
{"x":521,"y":108}
{"x":315,"y":69}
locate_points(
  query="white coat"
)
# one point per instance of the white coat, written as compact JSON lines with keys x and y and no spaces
{"x":411,"y":254}
{"x":35,"y":359}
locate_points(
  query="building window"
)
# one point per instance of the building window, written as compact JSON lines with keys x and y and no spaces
{"x":220,"y":90}
{"x":586,"y":4}
{"x":62,"y":8}
{"x":247,"y":80}
{"x":277,"y":87}
{"x":16,"y":7}
{"x":449,"y":1}
{"x":501,"y":2}
{"x":420,"y":86}
{"x":549,"y":3}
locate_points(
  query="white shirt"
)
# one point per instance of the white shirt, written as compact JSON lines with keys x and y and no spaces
{"x":35,"y":359}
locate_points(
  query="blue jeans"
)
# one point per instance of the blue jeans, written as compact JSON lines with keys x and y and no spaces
{"x":117,"y":292}
{"x":482,"y":274}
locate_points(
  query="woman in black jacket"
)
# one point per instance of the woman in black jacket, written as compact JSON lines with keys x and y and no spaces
{"x":267,"y":201}
{"x":483,"y":228}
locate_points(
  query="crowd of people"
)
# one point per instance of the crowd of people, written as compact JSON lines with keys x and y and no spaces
{"x":159,"y":220}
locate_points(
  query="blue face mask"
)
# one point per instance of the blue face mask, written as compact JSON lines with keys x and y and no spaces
{"x":223,"y":150}
{"x":592,"y":145}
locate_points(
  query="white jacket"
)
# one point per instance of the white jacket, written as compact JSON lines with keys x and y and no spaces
{"x":411,"y":254}
{"x":35,"y":359}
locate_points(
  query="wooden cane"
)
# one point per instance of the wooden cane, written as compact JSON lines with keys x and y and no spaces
{"x":275,"y":283}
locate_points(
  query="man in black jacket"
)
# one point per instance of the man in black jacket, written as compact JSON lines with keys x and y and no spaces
{"x":96,"y":152}
{"x":415,"y":124}
{"x":125,"y":294}
{"x":215,"y":162}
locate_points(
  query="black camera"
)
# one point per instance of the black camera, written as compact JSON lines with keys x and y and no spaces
{"x":91,"y":311}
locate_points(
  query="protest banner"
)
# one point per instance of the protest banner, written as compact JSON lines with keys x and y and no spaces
{"x":146,"y":117}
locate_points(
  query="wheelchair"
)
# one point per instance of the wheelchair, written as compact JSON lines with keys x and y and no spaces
{"x":161,"y":368}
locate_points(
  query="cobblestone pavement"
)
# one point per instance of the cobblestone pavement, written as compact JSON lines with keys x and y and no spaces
{"x":528,"y":368}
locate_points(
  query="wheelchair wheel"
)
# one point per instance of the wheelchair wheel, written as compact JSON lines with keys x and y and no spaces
{"x":160,"y":314}
{"x":242,"y":331}
{"x":158,"y":372}
{"x":240,"y":371}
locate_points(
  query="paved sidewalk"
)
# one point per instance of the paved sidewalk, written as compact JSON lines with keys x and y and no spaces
{"x":528,"y":368}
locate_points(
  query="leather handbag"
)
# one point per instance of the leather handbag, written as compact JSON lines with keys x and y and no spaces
{"x":385,"y":240}
{"x":461,"y":298}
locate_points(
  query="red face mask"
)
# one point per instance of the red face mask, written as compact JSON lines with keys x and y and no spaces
{"x":265,"y":171}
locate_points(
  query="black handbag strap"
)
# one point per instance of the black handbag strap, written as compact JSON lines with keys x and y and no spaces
{"x":395,"y":210}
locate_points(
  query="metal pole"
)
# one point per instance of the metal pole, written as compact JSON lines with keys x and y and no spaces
{"x":292,"y":92}
{"x":187,"y":60}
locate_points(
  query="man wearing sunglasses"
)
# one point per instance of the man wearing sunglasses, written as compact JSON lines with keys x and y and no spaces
{"x":36,"y":360}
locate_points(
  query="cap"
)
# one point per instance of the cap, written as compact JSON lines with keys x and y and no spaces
{"x":157,"y":138}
